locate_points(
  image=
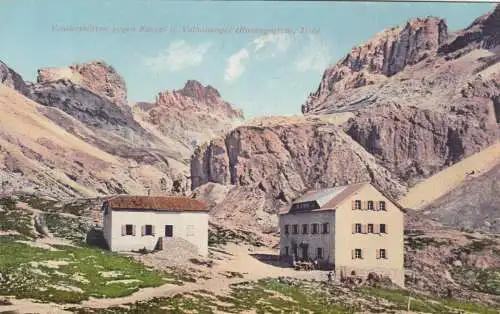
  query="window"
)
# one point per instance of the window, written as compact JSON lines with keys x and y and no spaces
{"x":382,"y":253}
{"x":370,"y":228}
{"x":370,"y":205}
{"x":287,"y":253}
{"x":357,"y":254}
{"x":357,"y":204}
{"x":357,"y":228}
{"x":295,"y":250}
{"x":383,"y":228}
{"x":319,"y":253}
{"x":381,"y":205}
{"x":129,"y":230}
{"x":314,"y":228}
{"x":295,"y":229}
{"x":147,"y":230}
{"x":169,"y":231}
{"x":305,"y":229}
{"x":304,"y":206}
{"x":287,"y":229}
{"x":326,"y":228}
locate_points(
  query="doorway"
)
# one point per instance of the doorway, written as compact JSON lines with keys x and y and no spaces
{"x":305,"y":251}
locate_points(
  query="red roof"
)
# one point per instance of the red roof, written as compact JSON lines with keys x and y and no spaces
{"x":158,"y":203}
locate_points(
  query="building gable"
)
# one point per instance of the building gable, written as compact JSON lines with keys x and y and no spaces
{"x":383,"y":196}
{"x":331,"y":199}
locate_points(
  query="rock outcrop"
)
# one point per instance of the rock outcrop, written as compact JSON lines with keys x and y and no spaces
{"x":93,"y":110}
{"x":96,"y":76}
{"x":415,"y":143}
{"x":419,"y":119}
{"x":12,"y":79}
{"x":386,"y":54}
{"x":484,"y":33}
{"x":285,"y":161}
{"x":190,"y":116}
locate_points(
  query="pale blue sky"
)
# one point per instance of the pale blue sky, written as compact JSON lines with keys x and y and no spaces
{"x":261,"y":74}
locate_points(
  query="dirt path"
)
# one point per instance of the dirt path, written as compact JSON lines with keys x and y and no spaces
{"x":240,"y":262}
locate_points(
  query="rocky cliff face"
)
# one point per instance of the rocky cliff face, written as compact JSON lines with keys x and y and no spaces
{"x":92,"y":103}
{"x":93,"y":110}
{"x":418,"y":119}
{"x":414,"y":143}
{"x":484,"y":32}
{"x":284,"y":161}
{"x":386,"y":54}
{"x":96,"y":76}
{"x":12,"y":79}
{"x":190,"y":116}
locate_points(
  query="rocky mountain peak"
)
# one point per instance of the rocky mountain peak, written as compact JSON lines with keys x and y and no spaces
{"x":196,"y":97}
{"x":386,"y":54}
{"x":96,"y":76}
{"x":196,"y":90}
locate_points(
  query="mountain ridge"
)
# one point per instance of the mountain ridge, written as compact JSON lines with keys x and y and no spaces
{"x":90,"y":102}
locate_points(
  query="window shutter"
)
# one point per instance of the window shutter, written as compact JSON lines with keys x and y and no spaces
{"x":143,"y":230}
{"x":363,"y":228}
{"x":378,"y":253}
{"x":153,"y":229}
{"x":376,"y":228}
{"x":353,"y":228}
{"x":124,"y":230}
{"x":386,"y":229}
{"x":133,"y":230}
{"x":386,"y":254}
{"x":353,"y":204}
{"x":353,"y":254}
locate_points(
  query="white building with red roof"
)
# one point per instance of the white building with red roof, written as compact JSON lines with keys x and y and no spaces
{"x":144,"y":222}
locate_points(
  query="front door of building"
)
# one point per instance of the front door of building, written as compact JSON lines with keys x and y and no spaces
{"x":295,"y":251}
{"x":305,"y":251}
{"x":169,"y":231}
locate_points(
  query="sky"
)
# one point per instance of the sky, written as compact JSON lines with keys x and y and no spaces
{"x":264,"y":57}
